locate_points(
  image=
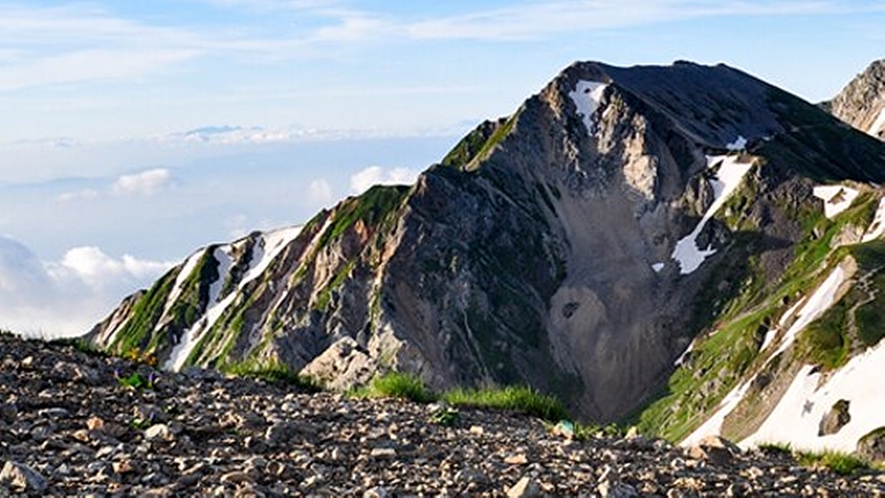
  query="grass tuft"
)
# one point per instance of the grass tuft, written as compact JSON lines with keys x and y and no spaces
{"x":274,"y":372}
{"x":841,"y":463}
{"x":516,"y":398}
{"x":776,"y":448}
{"x":520,"y":399}
{"x":395,"y":385}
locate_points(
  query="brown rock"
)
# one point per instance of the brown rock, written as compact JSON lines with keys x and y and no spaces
{"x":872,"y":445}
{"x":524,"y":488}
{"x":835,"y":419}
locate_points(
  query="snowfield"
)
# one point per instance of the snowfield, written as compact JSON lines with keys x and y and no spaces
{"x":587,"y":97}
{"x":810,"y":397}
{"x":728,"y":178}
{"x":808,"y":310}
{"x":837,"y":198}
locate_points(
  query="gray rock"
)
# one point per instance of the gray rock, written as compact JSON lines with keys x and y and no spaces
{"x":715,"y":450}
{"x":376,"y":492}
{"x":524,"y":488}
{"x":471,"y":475}
{"x":383,"y":453}
{"x":610,"y":485}
{"x":872,"y":445}
{"x":835,"y":419}
{"x":159,"y":432}
{"x":8,"y":412}
{"x":23,"y":478}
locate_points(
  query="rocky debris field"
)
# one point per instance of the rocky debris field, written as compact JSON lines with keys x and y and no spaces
{"x":79,"y":424}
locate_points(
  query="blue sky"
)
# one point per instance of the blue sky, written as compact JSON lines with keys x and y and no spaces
{"x":115,"y":159}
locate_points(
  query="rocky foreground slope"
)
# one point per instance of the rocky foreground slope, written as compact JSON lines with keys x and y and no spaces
{"x":68,"y":426}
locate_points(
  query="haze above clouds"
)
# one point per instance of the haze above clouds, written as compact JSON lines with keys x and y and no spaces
{"x":135,"y":132}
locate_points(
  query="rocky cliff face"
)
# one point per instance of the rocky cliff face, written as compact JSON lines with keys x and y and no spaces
{"x":862,"y":103}
{"x":578,"y":245}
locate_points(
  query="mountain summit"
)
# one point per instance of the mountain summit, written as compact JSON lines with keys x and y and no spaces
{"x":862,"y":103}
{"x":578,"y":246}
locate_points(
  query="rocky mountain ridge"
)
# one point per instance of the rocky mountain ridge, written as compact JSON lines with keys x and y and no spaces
{"x":74,"y":423}
{"x":578,"y":246}
{"x":862,"y":102}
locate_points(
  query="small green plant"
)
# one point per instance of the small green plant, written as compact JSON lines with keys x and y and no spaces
{"x":140,"y":424}
{"x":445,"y":416}
{"x":136,"y":380}
{"x":840,"y":463}
{"x":395,"y":385}
{"x":517,"y":398}
{"x":586,"y":432}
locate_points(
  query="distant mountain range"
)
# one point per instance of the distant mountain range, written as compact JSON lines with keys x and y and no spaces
{"x":683,"y":247}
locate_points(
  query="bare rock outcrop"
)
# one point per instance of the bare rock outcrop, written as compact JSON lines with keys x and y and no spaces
{"x":862,"y":102}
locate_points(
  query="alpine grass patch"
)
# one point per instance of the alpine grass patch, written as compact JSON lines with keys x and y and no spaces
{"x":396,"y":385}
{"x":274,"y":372}
{"x":841,"y":463}
{"x":515,"y":398}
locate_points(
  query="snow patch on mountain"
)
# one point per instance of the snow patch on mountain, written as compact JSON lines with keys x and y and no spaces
{"x":726,"y":181}
{"x":587,"y":97}
{"x":877,"y":227}
{"x":837,"y":198}
{"x":812,"y":394}
{"x":819,"y":302}
{"x":784,"y":319}
{"x":267,"y":250}
{"x":713,"y":425}
{"x":182,"y":276}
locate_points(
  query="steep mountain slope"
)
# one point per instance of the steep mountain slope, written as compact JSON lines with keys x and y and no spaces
{"x":808,"y":376}
{"x":862,"y":102}
{"x":578,"y":246}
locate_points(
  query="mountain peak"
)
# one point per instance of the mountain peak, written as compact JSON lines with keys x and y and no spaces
{"x":576,"y":246}
{"x":862,"y":102}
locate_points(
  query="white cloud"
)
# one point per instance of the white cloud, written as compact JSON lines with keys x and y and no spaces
{"x":533,"y":20}
{"x":90,"y":65}
{"x":79,"y":195}
{"x":320,"y":192}
{"x":145,"y":183}
{"x":67,"y":297}
{"x":376,"y":175}
{"x":98,"y":270}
